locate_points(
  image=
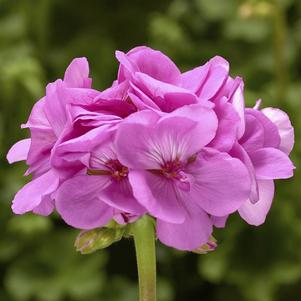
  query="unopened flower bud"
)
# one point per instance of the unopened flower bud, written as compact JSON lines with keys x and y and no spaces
{"x":92,"y":240}
{"x":211,"y":245}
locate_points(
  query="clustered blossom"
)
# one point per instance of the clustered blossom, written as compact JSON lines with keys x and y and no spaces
{"x":180,"y":147}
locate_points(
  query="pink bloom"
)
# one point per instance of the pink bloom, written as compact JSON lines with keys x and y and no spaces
{"x":180,"y":147}
{"x":176,"y":177}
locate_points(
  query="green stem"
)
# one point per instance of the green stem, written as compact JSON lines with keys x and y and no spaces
{"x":144,"y":237}
{"x":280,"y":43}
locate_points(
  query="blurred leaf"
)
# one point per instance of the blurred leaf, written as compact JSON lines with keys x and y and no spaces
{"x":29,"y":224}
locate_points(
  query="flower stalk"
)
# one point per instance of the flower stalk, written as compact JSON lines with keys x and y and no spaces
{"x":144,"y":237}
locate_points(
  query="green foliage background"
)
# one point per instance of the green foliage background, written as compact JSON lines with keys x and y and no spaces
{"x":38,"y":38}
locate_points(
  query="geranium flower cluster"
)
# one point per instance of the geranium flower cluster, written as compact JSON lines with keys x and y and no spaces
{"x":180,"y":147}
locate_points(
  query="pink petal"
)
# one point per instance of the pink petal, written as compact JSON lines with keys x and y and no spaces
{"x":77,"y":96}
{"x":221,"y":183}
{"x":55,"y":107}
{"x":85,"y":116}
{"x":115,"y":92}
{"x":271,"y":163}
{"x":145,"y":117}
{"x":80,"y":145}
{"x":271,"y":134}
{"x":115,"y":107}
{"x":172,"y":137}
{"x":127,"y":66}
{"x":228,"y":125}
{"x":217,"y":76}
{"x":37,"y":118}
{"x":194,"y":79}
{"x":58,"y":97}
{"x":151,"y":62}
{"x":189,"y":235}
{"x":157,"y":195}
{"x":200,"y":112}
{"x":77,"y":73}
{"x":166,"y":96}
{"x":46,"y":207}
{"x":133,"y":142}
{"x":78,"y":204}
{"x":254,"y":135}
{"x":181,"y":138}
{"x":142,"y":101}
{"x":238,"y":152}
{"x":19,"y":151}
{"x":219,"y":221}
{"x":255,"y":214}
{"x":32,"y":194}
{"x":175,"y":100}
{"x":285,"y":128}
{"x":42,"y":141}
{"x":120,"y":195}
{"x":238,"y":102}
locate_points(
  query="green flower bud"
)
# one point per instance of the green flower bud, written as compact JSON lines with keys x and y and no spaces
{"x":92,"y":240}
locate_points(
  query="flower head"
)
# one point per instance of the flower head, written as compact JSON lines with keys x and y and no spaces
{"x":180,"y":147}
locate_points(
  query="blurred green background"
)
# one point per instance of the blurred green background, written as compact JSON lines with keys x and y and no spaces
{"x":38,"y":38}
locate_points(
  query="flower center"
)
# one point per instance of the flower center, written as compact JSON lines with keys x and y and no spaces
{"x":171,"y":169}
{"x":118,"y":171}
{"x":174,"y":170}
{"x":115,"y":169}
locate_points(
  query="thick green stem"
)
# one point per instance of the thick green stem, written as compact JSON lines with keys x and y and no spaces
{"x":144,"y":237}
